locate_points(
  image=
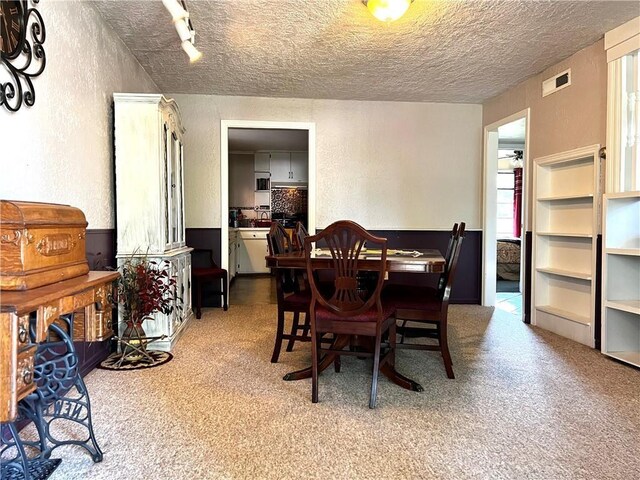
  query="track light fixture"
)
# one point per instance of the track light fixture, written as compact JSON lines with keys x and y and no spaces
{"x":181,"y":21}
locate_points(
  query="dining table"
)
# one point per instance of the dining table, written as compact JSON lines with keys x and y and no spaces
{"x":420,"y":261}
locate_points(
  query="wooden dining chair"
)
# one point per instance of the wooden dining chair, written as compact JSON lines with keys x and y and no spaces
{"x":424,"y":310}
{"x":351,"y":308}
{"x":289,"y":294}
{"x":207,"y":272}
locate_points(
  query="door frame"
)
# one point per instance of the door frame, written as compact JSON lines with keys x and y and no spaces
{"x":489,"y":205}
{"x":225,"y":125}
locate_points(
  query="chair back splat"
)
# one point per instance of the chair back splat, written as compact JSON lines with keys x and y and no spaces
{"x":300,"y":234}
{"x":352,"y":306}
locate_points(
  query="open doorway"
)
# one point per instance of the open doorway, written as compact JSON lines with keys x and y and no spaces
{"x":505,"y":199}
{"x":267,"y":174}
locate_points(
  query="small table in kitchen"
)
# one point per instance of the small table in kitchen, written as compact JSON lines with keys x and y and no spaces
{"x":408,"y":261}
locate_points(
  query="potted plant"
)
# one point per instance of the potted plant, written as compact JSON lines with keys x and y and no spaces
{"x":144,"y":288}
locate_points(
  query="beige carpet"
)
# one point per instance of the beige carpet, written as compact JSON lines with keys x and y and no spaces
{"x":525,"y":404}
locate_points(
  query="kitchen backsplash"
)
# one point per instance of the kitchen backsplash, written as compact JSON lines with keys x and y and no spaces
{"x":289,"y":200}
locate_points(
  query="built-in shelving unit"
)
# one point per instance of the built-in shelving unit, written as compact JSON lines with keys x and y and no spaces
{"x":621,"y":277}
{"x":566,"y":224}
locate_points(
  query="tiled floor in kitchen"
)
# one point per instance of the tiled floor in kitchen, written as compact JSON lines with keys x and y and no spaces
{"x":253,"y":290}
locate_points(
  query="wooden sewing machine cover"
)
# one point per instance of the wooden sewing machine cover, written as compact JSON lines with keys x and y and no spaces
{"x":44,"y":274}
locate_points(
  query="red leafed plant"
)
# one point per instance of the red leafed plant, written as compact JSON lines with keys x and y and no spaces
{"x":144,"y":288}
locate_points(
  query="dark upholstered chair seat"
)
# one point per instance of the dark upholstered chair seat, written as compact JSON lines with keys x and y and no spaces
{"x":411,"y":297}
{"x":300,"y":299}
{"x":208,"y":272}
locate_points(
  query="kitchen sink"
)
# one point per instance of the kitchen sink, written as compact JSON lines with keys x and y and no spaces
{"x":263,"y":223}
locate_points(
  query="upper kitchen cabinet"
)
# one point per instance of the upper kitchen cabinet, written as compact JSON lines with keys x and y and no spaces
{"x":289,"y":167}
{"x":149,"y":177}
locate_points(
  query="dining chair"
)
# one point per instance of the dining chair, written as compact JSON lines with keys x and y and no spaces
{"x":351,"y":308}
{"x":209,"y":273}
{"x":424,"y":310}
{"x":290,"y":297}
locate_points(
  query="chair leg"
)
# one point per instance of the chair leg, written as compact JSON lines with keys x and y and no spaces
{"x":315,"y":344}
{"x":444,"y":349}
{"x":225,"y":305}
{"x":392,"y":344}
{"x":198,"y":298}
{"x":404,"y":324}
{"x":294,"y":330}
{"x":307,"y":325}
{"x":376,"y":370}
{"x":279,"y":332}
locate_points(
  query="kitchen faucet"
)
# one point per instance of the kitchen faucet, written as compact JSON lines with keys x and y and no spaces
{"x":262,"y":217}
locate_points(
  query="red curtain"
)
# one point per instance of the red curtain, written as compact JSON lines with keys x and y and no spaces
{"x":517,"y":201}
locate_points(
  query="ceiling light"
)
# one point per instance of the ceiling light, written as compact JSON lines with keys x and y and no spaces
{"x":387,"y":10}
{"x":193,"y":52}
{"x":182,"y":23}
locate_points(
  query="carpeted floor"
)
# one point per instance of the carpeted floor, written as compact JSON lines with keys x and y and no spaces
{"x":525,"y":404}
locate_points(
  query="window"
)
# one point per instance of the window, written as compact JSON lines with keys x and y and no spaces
{"x":504,"y":222}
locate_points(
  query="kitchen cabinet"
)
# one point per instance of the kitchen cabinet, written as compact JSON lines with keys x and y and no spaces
{"x":150,"y":199}
{"x":289,"y":167}
{"x":252,"y":250}
{"x":233,"y":250}
{"x":262,"y":181}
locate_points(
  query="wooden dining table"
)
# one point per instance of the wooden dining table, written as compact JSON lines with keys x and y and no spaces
{"x":405,"y":260}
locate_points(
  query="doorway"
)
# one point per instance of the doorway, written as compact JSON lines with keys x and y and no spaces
{"x":262,"y":145}
{"x":505,"y":213}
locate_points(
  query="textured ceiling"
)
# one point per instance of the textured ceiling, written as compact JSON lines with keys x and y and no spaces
{"x":440,"y":51}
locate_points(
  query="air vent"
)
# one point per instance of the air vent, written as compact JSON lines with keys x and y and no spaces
{"x":553,"y":84}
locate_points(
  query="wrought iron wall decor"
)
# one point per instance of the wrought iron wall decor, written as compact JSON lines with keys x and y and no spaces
{"x":22,"y":34}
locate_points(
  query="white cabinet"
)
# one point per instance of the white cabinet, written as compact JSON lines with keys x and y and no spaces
{"x":300,"y":167}
{"x":252,"y":250}
{"x":233,"y":249}
{"x":289,"y":167}
{"x":280,"y":166}
{"x":566,"y":224}
{"x":150,"y":196}
{"x":621,"y":277}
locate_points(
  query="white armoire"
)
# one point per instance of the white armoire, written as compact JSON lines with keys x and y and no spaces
{"x":150,"y":198}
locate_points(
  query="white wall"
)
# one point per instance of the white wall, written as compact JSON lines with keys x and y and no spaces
{"x":386,"y":165}
{"x":60,"y":150}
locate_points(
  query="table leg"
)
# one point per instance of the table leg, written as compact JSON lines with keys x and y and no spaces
{"x":392,"y":374}
{"x":340,"y":342}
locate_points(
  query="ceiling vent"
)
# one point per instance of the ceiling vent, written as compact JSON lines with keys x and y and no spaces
{"x":553,"y":84}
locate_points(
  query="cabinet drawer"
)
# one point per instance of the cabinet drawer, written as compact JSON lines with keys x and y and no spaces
{"x":24,"y":373}
{"x":23,"y":331}
{"x":253,"y":234}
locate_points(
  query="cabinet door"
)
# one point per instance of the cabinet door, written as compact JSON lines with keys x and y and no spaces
{"x":300,"y":167}
{"x":281,"y":167}
{"x":261,"y":162}
{"x":175,"y":191}
{"x":251,"y":253}
{"x":166,"y":207}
